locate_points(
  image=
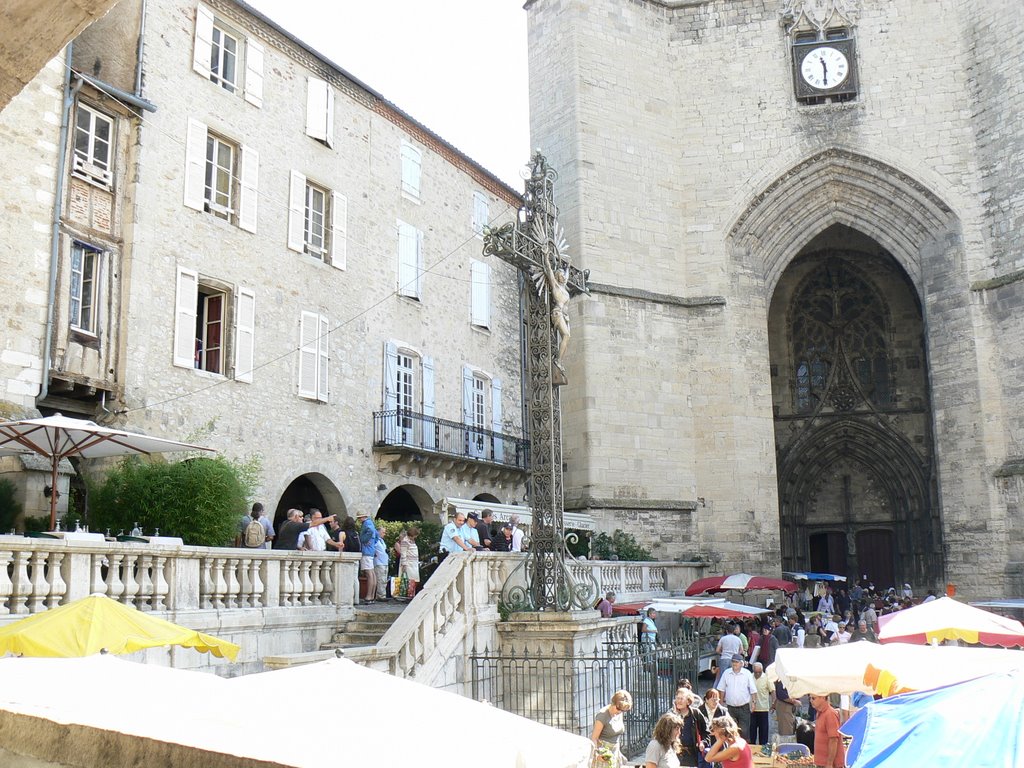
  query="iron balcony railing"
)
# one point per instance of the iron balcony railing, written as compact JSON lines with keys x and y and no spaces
{"x":418,"y":431}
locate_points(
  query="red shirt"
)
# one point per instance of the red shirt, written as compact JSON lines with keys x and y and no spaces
{"x":826,"y":727}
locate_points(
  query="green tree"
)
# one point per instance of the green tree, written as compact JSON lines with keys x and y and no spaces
{"x":619,"y":546}
{"x":199,"y":499}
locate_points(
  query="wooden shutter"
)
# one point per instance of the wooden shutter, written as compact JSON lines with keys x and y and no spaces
{"x":323,"y":350}
{"x":254,"y":72}
{"x":297,"y":213}
{"x":248,"y":194}
{"x":320,"y":110}
{"x":203,"y":48}
{"x":309,"y":329}
{"x":419,"y":263}
{"x":480,"y":273}
{"x":496,"y":426}
{"x":481,"y":213}
{"x":390,"y":375}
{"x":429,"y":437}
{"x":339,"y":230}
{"x":195,"y":165}
{"x":411,"y":162}
{"x":245,"y":334}
{"x":467,"y":395}
{"x":186,"y":297}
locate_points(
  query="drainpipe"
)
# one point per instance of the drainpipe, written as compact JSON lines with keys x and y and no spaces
{"x":140,"y":49}
{"x":58,"y":209}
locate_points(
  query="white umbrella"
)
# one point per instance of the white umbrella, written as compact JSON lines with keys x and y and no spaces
{"x":949,"y":619}
{"x":394,"y":721}
{"x":867,"y":667}
{"x":59,"y":437}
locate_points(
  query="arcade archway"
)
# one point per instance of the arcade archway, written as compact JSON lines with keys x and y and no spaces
{"x":308,"y":491}
{"x":405,"y":503}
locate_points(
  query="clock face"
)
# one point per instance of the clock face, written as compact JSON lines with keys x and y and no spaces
{"x":824,"y":68}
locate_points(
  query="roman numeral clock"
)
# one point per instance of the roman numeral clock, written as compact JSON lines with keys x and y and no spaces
{"x":824,"y":68}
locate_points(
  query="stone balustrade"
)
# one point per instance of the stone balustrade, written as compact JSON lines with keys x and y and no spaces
{"x":36,"y":574}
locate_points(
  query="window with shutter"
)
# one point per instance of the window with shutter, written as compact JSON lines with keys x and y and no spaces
{"x":248,"y":193}
{"x":185,"y":342}
{"x":219,"y":53}
{"x":480,"y":300}
{"x":481,"y":213}
{"x":245,"y":334}
{"x":218,"y":188}
{"x":94,"y":137}
{"x":410,"y":263}
{"x":320,"y":110}
{"x":314,"y":339}
{"x":411,"y":162}
{"x":84,"y":282}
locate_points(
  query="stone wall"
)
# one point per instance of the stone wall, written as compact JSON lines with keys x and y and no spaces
{"x":689,"y":170}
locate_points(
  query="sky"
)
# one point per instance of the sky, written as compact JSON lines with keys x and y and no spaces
{"x":457,"y":66}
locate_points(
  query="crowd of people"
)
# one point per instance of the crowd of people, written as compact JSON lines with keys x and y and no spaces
{"x":314,"y":532}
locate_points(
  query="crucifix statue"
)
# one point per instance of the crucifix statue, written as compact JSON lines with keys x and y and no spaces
{"x":534,"y":245}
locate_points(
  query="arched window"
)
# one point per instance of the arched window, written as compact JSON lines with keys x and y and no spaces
{"x":839,"y":319}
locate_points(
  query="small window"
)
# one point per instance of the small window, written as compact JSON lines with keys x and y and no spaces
{"x":411,"y":162}
{"x":94,"y":136}
{"x":210,"y":330}
{"x":316,"y":229}
{"x":220,"y":174}
{"x":837,"y":33}
{"x":805,"y":37}
{"x":481,"y":213}
{"x":83,"y":284}
{"x":224,"y":59}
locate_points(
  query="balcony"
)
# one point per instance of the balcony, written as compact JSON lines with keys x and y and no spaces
{"x":415,"y":443}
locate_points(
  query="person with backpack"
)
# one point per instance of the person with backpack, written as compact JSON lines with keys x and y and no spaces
{"x":259,"y":531}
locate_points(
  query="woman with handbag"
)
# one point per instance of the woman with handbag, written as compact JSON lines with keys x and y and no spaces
{"x":409,"y":561}
{"x":609,"y":725}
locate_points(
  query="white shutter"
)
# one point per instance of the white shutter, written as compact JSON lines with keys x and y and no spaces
{"x":329,"y":116}
{"x":390,"y":392}
{"x":319,"y":97}
{"x":411,"y":162}
{"x":297,"y":212}
{"x":248,"y":195}
{"x":429,"y":437}
{"x":195,"y":165}
{"x":245,"y":334}
{"x":499,"y":447}
{"x":254,"y":72}
{"x":323,"y":348}
{"x":339,"y":230}
{"x":186,"y":297}
{"x":407,"y":277}
{"x":467,"y":395}
{"x":419,"y":264}
{"x":309,"y":329}
{"x":203,"y":48}
{"x":480,"y":302}
{"x":481,"y":213}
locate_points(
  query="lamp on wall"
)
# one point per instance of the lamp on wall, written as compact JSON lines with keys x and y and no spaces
{"x":382,"y":487}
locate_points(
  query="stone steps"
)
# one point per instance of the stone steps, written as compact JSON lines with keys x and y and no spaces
{"x":367,"y":628}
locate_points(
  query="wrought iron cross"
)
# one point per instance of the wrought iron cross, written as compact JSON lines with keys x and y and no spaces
{"x":534,"y":245}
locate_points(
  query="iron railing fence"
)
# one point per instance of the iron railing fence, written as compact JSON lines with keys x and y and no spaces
{"x":566,"y":692}
{"x":450,"y":438}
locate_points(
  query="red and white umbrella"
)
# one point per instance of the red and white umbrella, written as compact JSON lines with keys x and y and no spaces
{"x":949,"y":619}
{"x":716,"y":612}
{"x":738,"y":582}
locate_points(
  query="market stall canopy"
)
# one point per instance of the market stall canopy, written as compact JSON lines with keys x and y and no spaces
{"x":574,"y":521}
{"x":811,"y":576}
{"x":114,"y":713}
{"x":949,"y":619}
{"x":739,"y":582}
{"x":979,"y":723}
{"x":96,"y":623}
{"x":719,"y":605}
{"x":717,"y":612}
{"x":57,"y":437}
{"x":884,"y":669}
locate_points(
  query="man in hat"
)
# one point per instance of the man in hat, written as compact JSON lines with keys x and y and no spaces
{"x":738,"y":689}
{"x":471,"y":531}
{"x":368,"y":536}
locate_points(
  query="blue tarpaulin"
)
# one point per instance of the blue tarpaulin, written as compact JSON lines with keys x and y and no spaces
{"x":979,"y":723}
{"x":809,"y":576}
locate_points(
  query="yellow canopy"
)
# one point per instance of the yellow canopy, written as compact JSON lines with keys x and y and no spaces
{"x":95,"y":623}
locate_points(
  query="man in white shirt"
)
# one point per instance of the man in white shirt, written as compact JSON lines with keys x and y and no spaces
{"x":314,"y":538}
{"x":728,"y":646}
{"x":738,"y":689}
{"x":517,"y":534}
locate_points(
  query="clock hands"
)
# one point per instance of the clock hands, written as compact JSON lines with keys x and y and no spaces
{"x":824,"y":71}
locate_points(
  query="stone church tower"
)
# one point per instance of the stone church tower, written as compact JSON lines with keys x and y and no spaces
{"x":803,"y":221}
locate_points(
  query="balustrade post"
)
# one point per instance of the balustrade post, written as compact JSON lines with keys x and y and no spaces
{"x":645,"y":578}
{"x":21,"y":585}
{"x":220,"y":585}
{"x":6,"y":585}
{"x":145,"y":599}
{"x":326,"y":582}
{"x":207,"y":587}
{"x":131,"y":581}
{"x":306,"y":582}
{"x":244,"y":583}
{"x":256,"y":599}
{"x":38,"y":581}
{"x":233,"y":586}
{"x":287,"y":583}
{"x":160,"y":586}
{"x":114,"y":586}
{"x":56,"y":587}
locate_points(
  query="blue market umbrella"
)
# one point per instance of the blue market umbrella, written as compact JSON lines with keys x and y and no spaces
{"x":979,"y":723}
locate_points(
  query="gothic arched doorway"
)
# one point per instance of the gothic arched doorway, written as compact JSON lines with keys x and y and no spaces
{"x":852,"y":414}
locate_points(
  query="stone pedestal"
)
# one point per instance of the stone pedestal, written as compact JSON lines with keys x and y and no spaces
{"x":547,"y":666}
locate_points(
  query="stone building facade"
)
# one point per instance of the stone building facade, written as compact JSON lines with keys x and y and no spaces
{"x":261,"y":254}
{"x":802,"y":220}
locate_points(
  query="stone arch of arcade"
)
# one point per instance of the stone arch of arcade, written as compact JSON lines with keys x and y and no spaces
{"x":310,"y":490}
{"x":843,"y":246}
{"x":406,"y":503}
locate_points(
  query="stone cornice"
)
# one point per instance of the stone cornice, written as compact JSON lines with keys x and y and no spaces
{"x":659,"y":505}
{"x":998,"y":282}
{"x":689,"y":302}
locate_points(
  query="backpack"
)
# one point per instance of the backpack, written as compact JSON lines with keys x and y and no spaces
{"x":254,"y":535}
